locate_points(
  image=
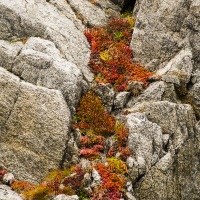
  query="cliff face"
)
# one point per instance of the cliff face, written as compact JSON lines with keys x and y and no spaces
{"x":44,"y":72}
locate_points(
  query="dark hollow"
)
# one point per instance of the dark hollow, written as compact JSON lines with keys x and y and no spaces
{"x":128,"y":5}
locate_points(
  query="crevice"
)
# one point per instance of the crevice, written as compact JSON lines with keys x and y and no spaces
{"x":78,"y":15}
{"x":14,"y":103}
{"x":128,"y":5}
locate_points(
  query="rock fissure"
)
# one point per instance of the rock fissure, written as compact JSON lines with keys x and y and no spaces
{"x":50,"y":75}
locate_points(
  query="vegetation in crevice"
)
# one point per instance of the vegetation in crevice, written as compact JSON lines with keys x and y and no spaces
{"x":111,"y":58}
{"x":112,"y":62}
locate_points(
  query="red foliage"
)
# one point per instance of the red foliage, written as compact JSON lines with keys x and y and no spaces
{"x":112,"y":57}
{"x":92,"y":145}
{"x":3,"y":172}
{"x":76,"y":181}
{"x":91,"y":115}
{"x":112,"y":184}
{"x":20,"y":186}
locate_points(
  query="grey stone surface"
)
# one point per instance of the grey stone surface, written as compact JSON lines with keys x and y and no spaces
{"x":8,"y":53}
{"x":177,"y":171}
{"x":66,"y":197}
{"x":121,"y":99}
{"x":33,"y":128}
{"x":178,"y":71}
{"x":145,"y":141}
{"x":174,"y":119}
{"x":7,"y":194}
{"x":163,"y":28}
{"x":8,"y":178}
{"x":175,"y":176}
{"x":94,"y":13}
{"x":39,"y":18}
{"x":40,"y":62}
{"x":193,"y":98}
{"x":157,"y":91}
{"x":106,"y":93}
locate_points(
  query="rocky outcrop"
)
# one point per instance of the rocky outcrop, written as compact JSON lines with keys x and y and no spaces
{"x":22,"y":19}
{"x":7,"y":194}
{"x":163,"y":28}
{"x":177,"y":172}
{"x":39,"y":62}
{"x":95,"y":12}
{"x":34,"y":123}
{"x":164,"y":40}
{"x":43,"y":74}
{"x":145,"y":141}
{"x":176,"y":167}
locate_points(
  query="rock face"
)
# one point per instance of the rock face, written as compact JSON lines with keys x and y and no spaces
{"x":33,"y":125}
{"x":166,"y":39}
{"x":169,"y":154}
{"x":43,"y":74}
{"x":7,"y":194}
{"x":163,"y":28}
{"x":94,"y":12}
{"x":39,"y":62}
{"x":39,"y":18}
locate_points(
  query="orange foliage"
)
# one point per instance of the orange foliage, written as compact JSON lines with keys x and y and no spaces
{"x":112,"y":183}
{"x":20,"y":186}
{"x":91,"y":115}
{"x":112,"y":57}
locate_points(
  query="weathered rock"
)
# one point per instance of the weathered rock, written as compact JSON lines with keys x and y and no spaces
{"x":66,"y":10}
{"x":23,"y":18}
{"x":40,"y":62}
{"x":121,"y":99}
{"x":175,"y":176}
{"x":96,"y":177}
{"x":8,"y":53}
{"x":8,"y":178}
{"x":178,"y":170}
{"x":33,"y":127}
{"x":178,"y":71}
{"x":106,"y":93}
{"x":163,"y":28}
{"x":94,"y":13}
{"x":130,"y":196}
{"x":66,"y":197}
{"x":193,"y":98}
{"x":157,"y":91}
{"x":7,"y":194}
{"x":178,"y":118}
{"x":145,"y":141}
{"x":136,"y":7}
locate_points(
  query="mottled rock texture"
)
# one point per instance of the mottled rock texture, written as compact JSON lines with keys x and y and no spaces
{"x":7,"y":194}
{"x":166,"y":40}
{"x":43,"y":74}
{"x":33,"y":127}
{"x":39,"y":18}
{"x":39,"y":62}
{"x":94,"y":12}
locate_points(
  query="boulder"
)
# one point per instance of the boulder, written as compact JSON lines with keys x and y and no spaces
{"x":176,"y":175}
{"x":94,"y":13}
{"x":7,"y":194}
{"x":34,"y":124}
{"x":163,"y":28}
{"x":176,"y":172}
{"x":23,"y":19}
{"x":178,"y":71}
{"x":145,"y":141}
{"x":157,"y":91}
{"x":39,"y":62}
